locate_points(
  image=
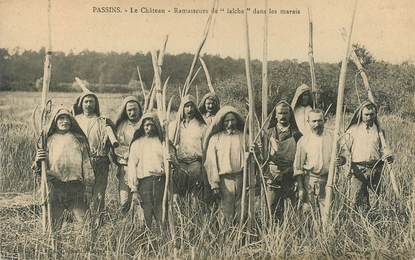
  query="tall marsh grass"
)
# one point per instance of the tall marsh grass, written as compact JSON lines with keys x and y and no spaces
{"x":388,"y":231}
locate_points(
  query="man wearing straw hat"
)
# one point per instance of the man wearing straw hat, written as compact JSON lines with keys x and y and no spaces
{"x":95,"y":127}
{"x":365,"y":141}
{"x":225,"y":159}
{"x":70,"y":174}
{"x":126,"y":122}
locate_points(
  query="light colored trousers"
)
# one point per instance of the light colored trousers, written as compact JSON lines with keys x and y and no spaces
{"x":230,"y":186}
{"x":124,"y":191}
{"x":315,"y":187}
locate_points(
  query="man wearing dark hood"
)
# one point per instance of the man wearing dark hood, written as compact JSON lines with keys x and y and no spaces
{"x":365,"y":141}
{"x":225,"y":158}
{"x":302,"y":104}
{"x":146,"y":169}
{"x":94,"y":126}
{"x":126,"y":123}
{"x":209,"y":106}
{"x":187,"y":134}
{"x":69,"y":171}
{"x":283,"y":135}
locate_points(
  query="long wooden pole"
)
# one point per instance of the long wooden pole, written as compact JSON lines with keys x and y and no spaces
{"x":311,"y":61}
{"x":264,"y":109}
{"x":186,"y":86}
{"x":265,"y":67}
{"x":340,"y":100}
{"x":47,"y":70}
{"x":359,"y":66}
{"x":249,"y":176}
{"x":208,"y":79}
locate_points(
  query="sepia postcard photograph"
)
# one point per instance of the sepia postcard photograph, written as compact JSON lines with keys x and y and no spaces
{"x":200,"y":129}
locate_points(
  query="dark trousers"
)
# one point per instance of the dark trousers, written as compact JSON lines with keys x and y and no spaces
{"x":277,"y":193}
{"x":67,"y":196}
{"x":365,"y":176}
{"x":101,"y":169}
{"x":151,"y":190}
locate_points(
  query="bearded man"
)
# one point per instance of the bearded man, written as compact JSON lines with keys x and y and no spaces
{"x":225,"y":159}
{"x":126,"y":122}
{"x":312,"y":162}
{"x":69,"y":171}
{"x":94,"y":126}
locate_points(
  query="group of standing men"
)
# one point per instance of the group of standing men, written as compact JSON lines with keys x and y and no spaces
{"x":207,"y":153}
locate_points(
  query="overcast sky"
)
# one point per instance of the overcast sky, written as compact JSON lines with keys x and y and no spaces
{"x":385,"y":27}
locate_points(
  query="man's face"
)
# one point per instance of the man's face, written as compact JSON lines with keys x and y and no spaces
{"x":368,"y":115}
{"x":189,"y":110}
{"x":316,"y":122}
{"x":63,"y":122}
{"x":149,"y":127}
{"x":229,"y":123}
{"x":283,"y":115}
{"x":89,"y":105}
{"x":210,"y":105}
{"x":305,"y":98}
{"x":133,"y":111}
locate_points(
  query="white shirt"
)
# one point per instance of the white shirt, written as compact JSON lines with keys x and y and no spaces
{"x":125,"y":132}
{"x":313,"y":154}
{"x":225,"y":155}
{"x":364,"y":143}
{"x":191,"y":139}
{"x":146,"y":159}
{"x":65,"y":157}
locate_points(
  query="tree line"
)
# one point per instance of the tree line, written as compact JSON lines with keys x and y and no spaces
{"x":393,"y":84}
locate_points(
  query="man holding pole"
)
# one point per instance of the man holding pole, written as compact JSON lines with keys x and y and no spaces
{"x":282,"y":136}
{"x":365,"y":141}
{"x":225,"y":159}
{"x":312,"y":161}
{"x":70,"y":174}
{"x":126,"y":123}
{"x":188,"y":137}
{"x":146,"y":169}
{"x":87,"y":114}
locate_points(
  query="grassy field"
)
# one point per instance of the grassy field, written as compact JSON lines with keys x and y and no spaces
{"x":389,"y":232}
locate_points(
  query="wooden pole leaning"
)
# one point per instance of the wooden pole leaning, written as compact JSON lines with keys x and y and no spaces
{"x":339,"y":112}
{"x":248,"y":190}
{"x":314,"y":90}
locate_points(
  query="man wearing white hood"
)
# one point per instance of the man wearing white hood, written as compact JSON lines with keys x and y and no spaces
{"x":302,"y":104}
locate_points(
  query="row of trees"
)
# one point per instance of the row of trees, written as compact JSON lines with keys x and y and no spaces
{"x":392,"y":83}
